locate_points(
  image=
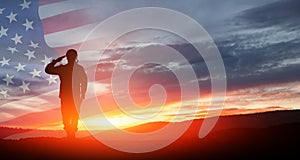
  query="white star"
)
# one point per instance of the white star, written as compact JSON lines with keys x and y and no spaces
{"x":51,"y":79}
{"x":4,"y":61}
{"x":25,"y":4}
{"x":25,"y":86}
{"x":35,"y":73}
{"x":30,"y":54}
{"x":8,"y":79}
{"x":1,"y":10}
{"x":34,"y":45}
{"x":28,"y":24}
{"x":12,"y":49}
{"x":12,"y":17}
{"x":20,"y":67}
{"x":17,"y":39}
{"x":46,"y":60}
{"x":3,"y":31}
{"x":4,"y":93}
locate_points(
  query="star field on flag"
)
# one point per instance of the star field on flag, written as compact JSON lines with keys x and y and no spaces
{"x":23,"y":52}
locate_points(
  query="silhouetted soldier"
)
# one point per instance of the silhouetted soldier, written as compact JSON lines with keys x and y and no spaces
{"x":73,"y":84}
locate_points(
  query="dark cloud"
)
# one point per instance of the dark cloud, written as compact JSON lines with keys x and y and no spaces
{"x":285,"y":13}
{"x":264,"y":45}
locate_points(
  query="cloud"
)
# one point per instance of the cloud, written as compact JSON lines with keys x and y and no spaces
{"x":262,"y":45}
{"x":284,"y":12}
{"x":253,"y":53}
{"x":284,"y":94}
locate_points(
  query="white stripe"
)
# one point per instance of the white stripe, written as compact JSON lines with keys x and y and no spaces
{"x":78,"y":35}
{"x":70,"y":36}
{"x":92,"y":56}
{"x":39,"y":103}
{"x":54,"y":9}
{"x":44,"y":102}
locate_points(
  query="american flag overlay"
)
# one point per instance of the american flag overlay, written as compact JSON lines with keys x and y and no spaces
{"x":32,"y":34}
{"x":24,"y":55}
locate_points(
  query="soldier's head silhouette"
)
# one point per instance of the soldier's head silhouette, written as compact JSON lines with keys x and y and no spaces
{"x":71,"y":55}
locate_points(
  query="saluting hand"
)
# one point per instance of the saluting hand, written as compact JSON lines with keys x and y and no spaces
{"x":59,"y":59}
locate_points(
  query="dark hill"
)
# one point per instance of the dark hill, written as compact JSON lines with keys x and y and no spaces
{"x":276,"y":137}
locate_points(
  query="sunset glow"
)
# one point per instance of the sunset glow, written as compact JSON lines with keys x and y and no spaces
{"x":259,"y":54}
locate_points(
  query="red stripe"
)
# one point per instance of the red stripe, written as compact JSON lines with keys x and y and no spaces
{"x":70,"y":20}
{"x":45,"y":2}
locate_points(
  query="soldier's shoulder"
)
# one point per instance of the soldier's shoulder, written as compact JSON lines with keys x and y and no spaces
{"x":80,"y":66}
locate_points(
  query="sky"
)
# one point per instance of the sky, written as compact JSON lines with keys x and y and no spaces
{"x":258,"y":41}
